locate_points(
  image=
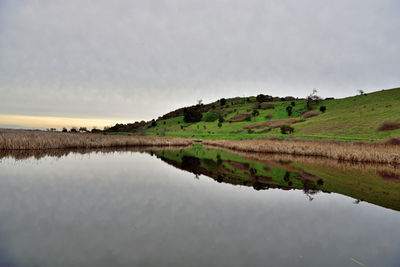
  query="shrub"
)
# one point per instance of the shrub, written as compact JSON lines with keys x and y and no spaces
{"x":268,"y":116}
{"x":250,"y":131}
{"x":322,"y":108}
{"x":393,"y":141}
{"x":310,"y":114}
{"x":293,"y":103}
{"x":64,"y":130}
{"x":219,"y":124}
{"x":286,"y":129}
{"x":222,"y":101}
{"x":221,"y":119}
{"x":211,"y":116}
{"x":389,"y":126}
{"x":192,"y":115}
{"x":153,"y":123}
{"x":73,"y":130}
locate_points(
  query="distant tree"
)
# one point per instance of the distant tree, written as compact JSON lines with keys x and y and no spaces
{"x":200,"y":102}
{"x":192,"y":115}
{"x":73,"y":130}
{"x":153,"y":123}
{"x":361,"y":92}
{"x":322,"y":108}
{"x":293,"y":103}
{"x":264,"y":98}
{"x":222,"y":101}
{"x":255,"y":113}
{"x":312,"y":98}
{"x":289,"y":110}
{"x":64,"y":130}
{"x":83,"y":129}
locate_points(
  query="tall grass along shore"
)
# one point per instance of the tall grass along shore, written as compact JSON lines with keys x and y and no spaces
{"x":30,"y":140}
{"x":368,"y":152}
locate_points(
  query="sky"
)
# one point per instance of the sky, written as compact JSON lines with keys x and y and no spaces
{"x":83,"y":62}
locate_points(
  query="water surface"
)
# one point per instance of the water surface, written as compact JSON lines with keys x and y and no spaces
{"x":195,"y":207}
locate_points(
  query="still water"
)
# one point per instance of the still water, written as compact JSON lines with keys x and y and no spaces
{"x":160,"y":209}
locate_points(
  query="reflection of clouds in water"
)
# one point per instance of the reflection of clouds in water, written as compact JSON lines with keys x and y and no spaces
{"x":128,"y":209}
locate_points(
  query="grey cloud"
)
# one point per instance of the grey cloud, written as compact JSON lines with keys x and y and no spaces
{"x":140,"y":59}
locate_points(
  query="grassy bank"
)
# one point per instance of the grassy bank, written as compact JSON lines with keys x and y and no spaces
{"x":26,"y":140}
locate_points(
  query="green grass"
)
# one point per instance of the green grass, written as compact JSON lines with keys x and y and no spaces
{"x":349,"y":119}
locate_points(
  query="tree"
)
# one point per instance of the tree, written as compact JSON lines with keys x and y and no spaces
{"x":83,"y":129}
{"x":263,"y":98}
{"x":361,"y":92}
{"x":221,"y":119}
{"x":200,"y":102}
{"x":289,"y":110}
{"x":73,"y":130}
{"x":312,"y":98}
{"x":153,"y":123}
{"x":293,"y":103}
{"x":191,"y":115}
{"x":255,"y":113}
{"x":64,"y":130}
{"x":322,"y":108}
{"x":222,"y":101}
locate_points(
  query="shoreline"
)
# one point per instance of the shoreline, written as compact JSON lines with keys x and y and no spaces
{"x":366,"y":152}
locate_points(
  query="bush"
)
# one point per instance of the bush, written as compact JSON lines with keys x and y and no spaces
{"x":219,"y":124}
{"x":192,"y":115}
{"x":221,"y":119}
{"x":255,"y":113}
{"x":73,"y":130}
{"x":64,"y":130}
{"x":153,"y":123}
{"x":222,"y":101}
{"x":310,"y":114}
{"x":322,"y":108}
{"x":293,"y":103}
{"x":211,"y":116}
{"x":287,"y":129}
{"x":389,"y":126}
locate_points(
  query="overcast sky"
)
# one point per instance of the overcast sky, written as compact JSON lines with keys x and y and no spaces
{"x":128,"y":59}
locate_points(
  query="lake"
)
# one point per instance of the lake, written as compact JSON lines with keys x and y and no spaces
{"x":195,"y":207}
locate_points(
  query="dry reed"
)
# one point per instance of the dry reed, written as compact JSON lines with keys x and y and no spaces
{"x":367,"y":152}
{"x":26,"y":140}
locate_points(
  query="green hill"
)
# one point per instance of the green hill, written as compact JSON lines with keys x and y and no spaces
{"x":351,"y":118}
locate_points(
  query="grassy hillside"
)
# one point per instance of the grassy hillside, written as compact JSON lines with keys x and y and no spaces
{"x":352,"y":118}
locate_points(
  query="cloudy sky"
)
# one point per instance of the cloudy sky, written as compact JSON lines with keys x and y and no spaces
{"x":105,"y":61}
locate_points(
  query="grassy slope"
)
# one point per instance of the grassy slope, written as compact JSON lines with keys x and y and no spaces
{"x":352,"y":118}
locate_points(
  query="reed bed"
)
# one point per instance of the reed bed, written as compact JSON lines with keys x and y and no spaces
{"x":33,"y":140}
{"x":366,"y":152}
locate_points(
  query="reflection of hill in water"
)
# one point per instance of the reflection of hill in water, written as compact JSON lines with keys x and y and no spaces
{"x":377,"y":184}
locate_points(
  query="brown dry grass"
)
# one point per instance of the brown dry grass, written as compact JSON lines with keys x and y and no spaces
{"x":240,"y":117}
{"x":24,"y":140}
{"x":264,"y":106}
{"x":312,"y":113}
{"x":389,"y":125}
{"x":270,"y":124}
{"x":353,"y":152}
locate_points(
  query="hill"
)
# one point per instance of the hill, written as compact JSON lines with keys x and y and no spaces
{"x":351,"y":118}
